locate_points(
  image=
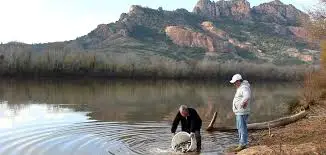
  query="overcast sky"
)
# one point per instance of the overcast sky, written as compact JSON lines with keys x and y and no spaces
{"x":35,"y":21}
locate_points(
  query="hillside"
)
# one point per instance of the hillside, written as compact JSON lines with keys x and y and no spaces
{"x":265,"y":33}
{"x":222,"y":31}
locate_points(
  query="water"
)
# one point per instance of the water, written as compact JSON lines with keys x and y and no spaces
{"x":120,"y":117}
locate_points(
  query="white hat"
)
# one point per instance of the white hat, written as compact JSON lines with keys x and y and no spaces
{"x":236,"y":77}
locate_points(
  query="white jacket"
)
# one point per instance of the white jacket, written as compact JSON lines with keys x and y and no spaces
{"x":243,"y":94}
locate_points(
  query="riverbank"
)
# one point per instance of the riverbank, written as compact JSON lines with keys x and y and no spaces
{"x":306,"y":136}
{"x":221,"y":72}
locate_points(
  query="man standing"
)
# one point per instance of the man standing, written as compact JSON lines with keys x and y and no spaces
{"x":241,"y":108}
{"x":190,"y":122}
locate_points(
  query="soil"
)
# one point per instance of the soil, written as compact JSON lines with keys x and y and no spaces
{"x":311,"y":129}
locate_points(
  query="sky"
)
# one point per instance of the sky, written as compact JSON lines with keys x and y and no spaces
{"x":41,"y":21}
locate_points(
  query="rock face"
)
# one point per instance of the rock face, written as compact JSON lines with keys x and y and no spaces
{"x":277,"y":12}
{"x":210,"y":28}
{"x":102,"y":31}
{"x":183,"y":37}
{"x":272,"y":12}
{"x":207,"y":8}
{"x":135,"y":9}
{"x":235,"y":9}
{"x":298,"y":32}
{"x":213,"y":39}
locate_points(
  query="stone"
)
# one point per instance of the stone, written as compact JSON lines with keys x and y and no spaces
{"x":235,"y":9}
{"x":184,"y":37}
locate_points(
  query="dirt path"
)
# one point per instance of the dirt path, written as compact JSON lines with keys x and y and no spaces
{"x":306,"y":136}
{"x":311,"y":129}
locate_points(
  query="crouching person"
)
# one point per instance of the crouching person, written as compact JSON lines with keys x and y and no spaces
{"x":190,"y":122}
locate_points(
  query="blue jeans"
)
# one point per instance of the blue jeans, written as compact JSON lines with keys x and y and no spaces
{"x":241,"y":121}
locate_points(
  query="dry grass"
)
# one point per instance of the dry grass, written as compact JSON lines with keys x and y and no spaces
{"x":314,"y":91}
{"x":305,"y":131}
{"x":315,"y":83}
{"x":323,"y":53}
{"x":16,"y":61}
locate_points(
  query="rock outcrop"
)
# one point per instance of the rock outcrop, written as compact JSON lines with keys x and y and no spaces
{"x":136,"y":9}
{"x":299,"y":32}
{"x":207,"y":8}
{"x":272,"y":12}
{"x":102,"y":31}
{"x":235,"y":9}
{"x":184,"y":37}
{"x":210,"y":28}
{"x":221,"y":38}
{"x":277,"y":12}
{"x":212,"y":39}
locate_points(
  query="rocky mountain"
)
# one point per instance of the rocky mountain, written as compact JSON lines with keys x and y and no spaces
{"x":215,"y":31}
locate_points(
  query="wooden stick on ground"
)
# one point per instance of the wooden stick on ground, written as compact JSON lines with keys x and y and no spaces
{"x":211,"y":124}
{"x":259,"y":126}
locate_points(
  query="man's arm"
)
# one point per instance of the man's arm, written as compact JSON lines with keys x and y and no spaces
{"x":246,"y":97}
{"x":175,"y":123}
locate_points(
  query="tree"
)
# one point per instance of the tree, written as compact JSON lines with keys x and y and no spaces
{"x":160,"y":9}
{"x":317,"y":28}
{"x":315,"y":83}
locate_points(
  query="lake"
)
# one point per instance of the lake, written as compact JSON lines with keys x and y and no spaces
{"x":113,"y":117}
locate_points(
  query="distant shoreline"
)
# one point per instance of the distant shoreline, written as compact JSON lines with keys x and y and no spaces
{"x":103,"y":77}
{"x":213,"y":72}
{"x":60,"y":64}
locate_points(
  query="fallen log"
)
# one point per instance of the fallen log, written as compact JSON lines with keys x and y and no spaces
{"x":259,"y":126}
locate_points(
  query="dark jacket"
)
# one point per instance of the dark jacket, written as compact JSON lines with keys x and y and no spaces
{"x":191,"y":124}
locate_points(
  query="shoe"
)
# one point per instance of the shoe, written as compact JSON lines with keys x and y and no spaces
{"x":239,"y":148}
{"x":230,"y":148}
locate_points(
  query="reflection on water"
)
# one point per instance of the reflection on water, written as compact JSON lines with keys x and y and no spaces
{"x":119,"y":117}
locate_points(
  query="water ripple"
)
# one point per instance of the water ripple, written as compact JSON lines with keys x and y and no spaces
{"x":99,"y":138}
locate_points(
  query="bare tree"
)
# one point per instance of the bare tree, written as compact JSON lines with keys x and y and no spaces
{"x":317,"y":27}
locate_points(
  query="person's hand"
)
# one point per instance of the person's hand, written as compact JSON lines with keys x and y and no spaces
{"x":192,"y":135}
{"x":173,"y":133}
{"x":244,"y":105}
